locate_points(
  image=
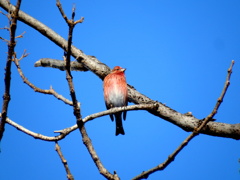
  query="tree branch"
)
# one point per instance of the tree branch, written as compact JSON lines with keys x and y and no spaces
{"x":66,"y":131}
{"x":195,"y":132}
{"x":67,"y":56}
{"x":37,"y":135}
{"x":11,"y":53}
{"x":50,"y":91}
{"x":59,"y":64}
{"x":64,"y":161}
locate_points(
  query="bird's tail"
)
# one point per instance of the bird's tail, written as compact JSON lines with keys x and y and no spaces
{"x":119,"y":126}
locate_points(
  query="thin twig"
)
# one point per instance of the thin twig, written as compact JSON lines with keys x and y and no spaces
{"x":64,"y":161}
{"x":66,"y":131}
{"x":67,"y":60}
{"x":196,"y":131}
{"x":50,"y":91}
{"x":4,"y":15}
{"x":25,"y":54}
{"x":59,"y":5}
{"x":21,"y":35}
{"x":38,"y":135}
{"x":11,"y":46}
{"x":79,"y":21}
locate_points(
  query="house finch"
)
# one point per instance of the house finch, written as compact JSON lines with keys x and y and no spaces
{"x":115,"y":95}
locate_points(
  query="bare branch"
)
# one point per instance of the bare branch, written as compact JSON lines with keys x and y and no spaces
{"x":4,"y":15}
{"x":59,"y":5}
{"x":64,"y":161}
{"x":11,"y":47}
{"x":20,"y":36}
{"x":69,"y":77}
{"x":87,"y":142}
{"x":5,"y":40}
{"x":120,"y":109}
{"x":79,"y":21}
{"x":50,"y":91}
{"x":220,"y":99}
{"x":33,"y":134}
{"x":66,"y":131}
{"x":59,"y":64}
{"x":196,"y":131}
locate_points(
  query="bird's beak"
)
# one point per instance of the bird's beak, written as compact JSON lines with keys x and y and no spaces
{"x":123,"y":69}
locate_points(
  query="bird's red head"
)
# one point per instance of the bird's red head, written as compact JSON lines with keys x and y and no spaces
{"x":117,"y":69}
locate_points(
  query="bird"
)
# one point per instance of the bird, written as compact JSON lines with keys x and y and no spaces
{"x":115,"y":95}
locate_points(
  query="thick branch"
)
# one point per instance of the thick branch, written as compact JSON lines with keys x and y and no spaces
{"x":11,"y":46}
{"x":187,"y":123}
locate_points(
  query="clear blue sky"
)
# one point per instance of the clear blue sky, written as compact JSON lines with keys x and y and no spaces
{"x":175,"y":52}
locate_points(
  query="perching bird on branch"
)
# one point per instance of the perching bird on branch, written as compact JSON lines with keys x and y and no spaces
{"x":115,"y":95}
